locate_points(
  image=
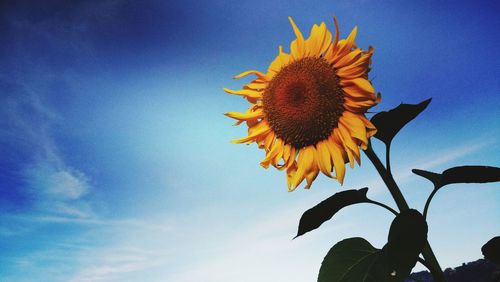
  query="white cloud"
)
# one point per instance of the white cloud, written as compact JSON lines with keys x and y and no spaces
{"x":58,"y":183}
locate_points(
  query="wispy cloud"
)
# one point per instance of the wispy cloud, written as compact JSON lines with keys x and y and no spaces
{"x":57,"y":186}
{"x":57,"y":180}
{"x":28,"y":118}
{"x":176,"y":249}
{"x":115,"y":263}
{"x":262,"y":251}
{"x":447,"y":156}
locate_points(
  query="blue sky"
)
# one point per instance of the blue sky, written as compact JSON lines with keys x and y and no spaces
{"x":116,"y":163}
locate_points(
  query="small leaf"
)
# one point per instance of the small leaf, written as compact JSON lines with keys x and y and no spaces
{"x":491,"y":250}
{"x":349,"y":260}
{"x":408,"y":225}
{"x":407,"y":238}
{"x":315,"y":216}
{"x":461,"y":174}
{"x":389,"y":123}
{"x":471,"y":174}
{"x":433,"y":177}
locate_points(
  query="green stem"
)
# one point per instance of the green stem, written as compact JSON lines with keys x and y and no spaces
{"x":427,"y":252}
{"x":387,"y":178}
{"x":384,"y":206}
{"x":388,"y":158}
{"x":428,"y":202}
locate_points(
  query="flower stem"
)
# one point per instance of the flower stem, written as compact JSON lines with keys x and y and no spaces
{"x":388,"y":158}
{"x":387,"y":178}
{"x":391,"y":184}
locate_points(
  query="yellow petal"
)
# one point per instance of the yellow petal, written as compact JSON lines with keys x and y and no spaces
{"x":310,"y":177}
{"x":348,"y":59}
{"x":370,"y":128}
{"x":285,"y":156}
{"x":355,"y":126}
{"x":266,"y":142}
{"x":255,"y":86}
{"x":357,"y":94}
{"x":258,"y":73}
{"x":329,"y":55}
{"x":346,"y":45}
{"x":362,"y":63}
{"x":278,"y":63}
{"x":291,"y":158}
{"x":351,"y":145}
{"x":304,"y":165}
{"x":338,"y":160}
{"x":274,"y":155}
{"x":358,"y":105}
{"x":297,"y":47}
{"x":246,"y":116}
{"x":259,"y":129}
{"x":245,"y":93}
{"x":350,"y":72}
{"x":290,"y":173}
{"x":286,"y":152}
{"x":346,"y":148}
{"x":318,"y":41}
{"x":360,"y":83}
{"x":323,"y":158}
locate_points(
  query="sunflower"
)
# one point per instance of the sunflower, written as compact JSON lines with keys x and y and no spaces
{"x":307,"y":111}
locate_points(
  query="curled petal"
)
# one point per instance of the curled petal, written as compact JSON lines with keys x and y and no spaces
{"x":348,"y":59}
{"x":258,"y":73}
{"x":248,"y":93}
{"x":246,"y":116}
{"x":260,"y":129}
{"x":274,"y":155}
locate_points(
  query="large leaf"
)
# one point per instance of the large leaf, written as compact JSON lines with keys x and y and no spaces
{"x":349,"y":260}
{"x":461,"y":174}
{"x":315,"y":216}
{"x":356,"y":260}
{"x":389,"y":123}
{"x":407,"y":238}
{"x":491,"y":250}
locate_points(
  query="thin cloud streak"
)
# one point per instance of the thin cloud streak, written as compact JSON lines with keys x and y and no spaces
{"x":403,"y":175}
{"x":266,"y":245}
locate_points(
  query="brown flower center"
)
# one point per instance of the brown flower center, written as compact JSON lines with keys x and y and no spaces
{"x":304,"y":101}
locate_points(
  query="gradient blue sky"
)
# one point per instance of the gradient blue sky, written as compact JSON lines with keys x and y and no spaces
{"x":115,"y":160}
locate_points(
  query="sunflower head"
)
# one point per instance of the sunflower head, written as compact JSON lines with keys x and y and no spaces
{"x":307,"y":111}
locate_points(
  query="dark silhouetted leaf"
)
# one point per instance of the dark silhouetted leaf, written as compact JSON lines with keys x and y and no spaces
{"x":433,"y":177}
{"x":461,"y":174}
{"x":349,"y":260}
{"x":315,"y":216}
{"x":471,"y":174}
{"x":354,"y":259}
{"x":407,"y":238}
{"x":491,"y":250}
{"x":389,"y":123}
{"x":408,"y":225}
